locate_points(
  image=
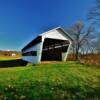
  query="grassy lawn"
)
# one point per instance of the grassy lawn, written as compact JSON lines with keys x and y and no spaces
{"x":56,"y":81}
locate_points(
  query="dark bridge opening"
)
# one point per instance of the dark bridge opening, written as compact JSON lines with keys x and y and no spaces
{"x":53,"y":48}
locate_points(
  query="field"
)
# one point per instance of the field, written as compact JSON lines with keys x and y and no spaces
{"x":56,"y":81}
{"x":3,"y":58}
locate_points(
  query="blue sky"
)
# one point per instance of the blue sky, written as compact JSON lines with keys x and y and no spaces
{"x":22,"y":20}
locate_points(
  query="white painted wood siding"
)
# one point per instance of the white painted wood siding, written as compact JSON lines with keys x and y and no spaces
{"x":34,"y":59}
{"x":56,"y":34}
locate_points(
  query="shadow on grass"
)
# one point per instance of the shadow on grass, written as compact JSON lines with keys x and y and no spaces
{"x":12,"y":63}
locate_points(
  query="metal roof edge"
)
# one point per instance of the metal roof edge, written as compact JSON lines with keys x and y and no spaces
{"x":49,"y":31}
{"x":66,"y":33}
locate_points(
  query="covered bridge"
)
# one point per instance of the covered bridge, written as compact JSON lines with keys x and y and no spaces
{"x":53,"y":45}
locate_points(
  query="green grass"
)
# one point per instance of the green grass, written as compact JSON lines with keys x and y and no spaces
{"x":57,"y":81}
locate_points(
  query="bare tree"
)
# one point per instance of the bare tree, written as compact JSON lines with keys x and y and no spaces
{"x":94,"y":13}
{"x":96,"y":43}
{"x":94,"y":16}
{"x":80,"y":35}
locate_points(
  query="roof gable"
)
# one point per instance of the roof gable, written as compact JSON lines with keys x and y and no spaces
{"x":57,"y":33}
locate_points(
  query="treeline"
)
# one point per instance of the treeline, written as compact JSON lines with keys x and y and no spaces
{"x":9,"y":53}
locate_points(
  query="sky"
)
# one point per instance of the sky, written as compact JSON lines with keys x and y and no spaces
{"x":22,"y":20}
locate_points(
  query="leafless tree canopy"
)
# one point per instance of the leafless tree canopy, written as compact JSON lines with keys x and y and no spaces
{"x":94,"y":13}
{"x":80,"y":36}
{"x":94,"y":16}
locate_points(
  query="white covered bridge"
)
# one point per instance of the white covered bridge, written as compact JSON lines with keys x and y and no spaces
{"x":53,"y":45}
